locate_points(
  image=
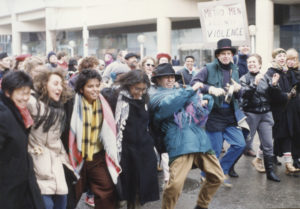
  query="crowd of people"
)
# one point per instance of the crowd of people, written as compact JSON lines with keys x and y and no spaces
{"x":106,"y":127}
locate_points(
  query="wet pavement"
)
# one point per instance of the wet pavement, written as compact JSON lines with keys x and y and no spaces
{"x":250,"y":191}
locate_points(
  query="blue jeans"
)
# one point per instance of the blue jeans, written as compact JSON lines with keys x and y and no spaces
{"x":55,"y":201}
{"x":235,"y":138}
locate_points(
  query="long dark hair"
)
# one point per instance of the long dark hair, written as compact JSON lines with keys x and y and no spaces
{"x":54,"y":111}
{"x":131,"y":78}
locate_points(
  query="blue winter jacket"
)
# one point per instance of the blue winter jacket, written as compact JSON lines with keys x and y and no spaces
{"x":180,"y":115}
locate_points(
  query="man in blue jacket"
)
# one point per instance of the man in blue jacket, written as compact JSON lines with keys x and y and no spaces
{"x":181,"y":114}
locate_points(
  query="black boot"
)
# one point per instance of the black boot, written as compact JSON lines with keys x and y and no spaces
{"x":268,"y":161}
{"x":232,"y":172}
{"x":296,"y":162}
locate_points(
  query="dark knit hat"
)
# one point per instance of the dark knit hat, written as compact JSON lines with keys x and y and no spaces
{"x":224,"y":44}
{"x":50,"y":54}
{"x":164,"y":69}
{"x":3,"y":55}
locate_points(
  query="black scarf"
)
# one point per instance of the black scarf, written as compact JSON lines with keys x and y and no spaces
{"x":53,"y":111}
{"x":225,"y":66}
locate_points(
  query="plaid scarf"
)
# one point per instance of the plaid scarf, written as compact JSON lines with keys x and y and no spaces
{"x":92,"y":119}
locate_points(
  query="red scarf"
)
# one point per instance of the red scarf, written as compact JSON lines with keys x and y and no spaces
{"x":27,"y":119}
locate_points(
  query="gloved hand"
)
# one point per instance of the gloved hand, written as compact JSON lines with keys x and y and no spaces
{"x":216,"y":91}
{"x":236,"y":86}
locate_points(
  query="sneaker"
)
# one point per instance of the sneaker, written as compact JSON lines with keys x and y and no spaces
{"x":227,"y":182}
{"x":90,"y":201}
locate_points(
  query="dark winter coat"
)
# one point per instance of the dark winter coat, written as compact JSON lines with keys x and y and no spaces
{"x":241,"y":61}
{"x":293,"y":76}
{"x":18,"y":185}
{"x":283,"y":110}
{"x":185,"y":75}
{"x":255,"y":98}
{"x":138,"y":159}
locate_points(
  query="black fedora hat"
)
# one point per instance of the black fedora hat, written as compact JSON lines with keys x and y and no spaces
{"x":224,"y":44}
{"x":164,"y":69}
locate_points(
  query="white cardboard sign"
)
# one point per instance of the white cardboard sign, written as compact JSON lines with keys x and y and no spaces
{"x":224,"y":19}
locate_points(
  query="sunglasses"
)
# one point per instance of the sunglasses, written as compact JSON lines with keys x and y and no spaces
{"x":150,"y":65}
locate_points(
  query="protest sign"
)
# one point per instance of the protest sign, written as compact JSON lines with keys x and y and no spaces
{"x":224,"y":19}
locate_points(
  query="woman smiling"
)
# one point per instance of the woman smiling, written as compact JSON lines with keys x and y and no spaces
{"x":45,"y":145}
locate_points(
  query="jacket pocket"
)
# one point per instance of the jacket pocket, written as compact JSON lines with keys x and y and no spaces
{"x":42,"y":164}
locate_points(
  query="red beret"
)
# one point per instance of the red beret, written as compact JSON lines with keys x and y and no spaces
{"x":22,"y":57}
{"x":160,"y":55}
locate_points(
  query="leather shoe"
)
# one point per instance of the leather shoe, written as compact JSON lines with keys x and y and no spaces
{"x":232,"y":173}
{"x":250,"y":153}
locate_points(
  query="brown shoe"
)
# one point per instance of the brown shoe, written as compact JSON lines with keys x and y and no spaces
{"x":250,"y":153}
{"x":290,"y":169}
{"x":159,"y":168}
{"x":259,"y":165}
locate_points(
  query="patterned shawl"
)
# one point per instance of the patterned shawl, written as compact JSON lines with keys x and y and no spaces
{"x":107,"y":138}
{"x":121,"y":116}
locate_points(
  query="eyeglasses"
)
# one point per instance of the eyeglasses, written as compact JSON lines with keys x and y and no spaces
{"x":138,"y":90}
{"x":150,"y":65}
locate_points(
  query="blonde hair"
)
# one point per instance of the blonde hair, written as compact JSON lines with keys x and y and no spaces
{"x":144,"y":60}
{"x":291,"y":54}
{"x":32,"y":62}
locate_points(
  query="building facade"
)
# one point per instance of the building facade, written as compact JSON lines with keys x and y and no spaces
{"x":96,"y":27}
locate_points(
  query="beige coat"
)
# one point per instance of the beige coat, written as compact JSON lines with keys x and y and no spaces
{"x":48,"y":155}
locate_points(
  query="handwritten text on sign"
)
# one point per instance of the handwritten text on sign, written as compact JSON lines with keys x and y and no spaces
{"x":223,"y":22}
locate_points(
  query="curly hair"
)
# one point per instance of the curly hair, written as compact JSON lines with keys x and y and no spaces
{"x":84,"y":77}
{"x":40,"y":85}
{"x":88,"y":63}
{"x":54,"y":111}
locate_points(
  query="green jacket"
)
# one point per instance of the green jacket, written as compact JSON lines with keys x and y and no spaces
{"x":215,"y":78}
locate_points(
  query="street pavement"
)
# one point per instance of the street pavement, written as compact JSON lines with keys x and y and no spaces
{"x":250,"y":191}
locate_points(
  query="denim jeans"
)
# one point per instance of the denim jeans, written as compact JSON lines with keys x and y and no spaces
{"x":233,"y":136}
{"x":55,"y":201}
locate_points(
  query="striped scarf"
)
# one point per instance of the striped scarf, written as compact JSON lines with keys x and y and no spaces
{"x":92,"y":119}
